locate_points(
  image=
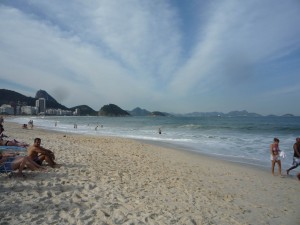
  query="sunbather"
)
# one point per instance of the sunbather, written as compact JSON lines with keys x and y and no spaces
{"x":38,"y":154}
{"x":13,"y":142}
{"x":10,"y":162}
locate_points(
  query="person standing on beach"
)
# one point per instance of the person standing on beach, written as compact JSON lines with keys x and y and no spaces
{"x":38,"y":154}
{"x":296,"y":158}
{"x":274,"y":150}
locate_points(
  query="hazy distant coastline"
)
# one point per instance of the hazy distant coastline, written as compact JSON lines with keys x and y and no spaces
{"x":9,"y":97}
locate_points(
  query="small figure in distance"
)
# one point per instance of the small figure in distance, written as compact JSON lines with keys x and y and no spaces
{"x":30,"y":124}
{"x":39,"y":154}
{"x":159,"y":130}
{"x":296,"y":156}
{"x":75,"y":126}
{"x":275,"y":158}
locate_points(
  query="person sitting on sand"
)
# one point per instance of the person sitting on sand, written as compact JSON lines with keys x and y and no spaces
{"x":296,"y":158}
{"x":2,"y":135}
{"x":38,"y":154}
{"x":275,"y":158}
{"x":10,"y":162}
{"x":13,"y":142}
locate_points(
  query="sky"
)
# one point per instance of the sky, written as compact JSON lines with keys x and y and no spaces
{"x":176,"y":56}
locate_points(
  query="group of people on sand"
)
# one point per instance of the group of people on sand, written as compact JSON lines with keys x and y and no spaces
{"x":34,"y":159}
{"x":36,"y":155}
{"x":276,"y":155}
{"x":5,"y":142}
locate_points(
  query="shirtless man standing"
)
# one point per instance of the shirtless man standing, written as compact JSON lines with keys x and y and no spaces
{"x":38,"y":154}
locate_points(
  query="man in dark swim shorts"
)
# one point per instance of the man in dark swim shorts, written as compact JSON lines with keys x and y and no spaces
{"x":38,"y":154}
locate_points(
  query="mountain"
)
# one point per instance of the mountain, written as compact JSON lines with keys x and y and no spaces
{"x":45,"y":95}
{"x":14,"y":98}
{"x":157,"y":113}
{"x":85,"y":110}
{"x":242,"y":113}
{"x":50,"y":101}
{"x":288,"y":115}
{"x":139,"y":112}
{"x":112,"y":110}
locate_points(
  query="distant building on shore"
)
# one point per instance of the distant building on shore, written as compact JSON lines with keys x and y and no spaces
{"x":41,"y":105}
{"x":20,"y":108}
{"x":6,"y":109}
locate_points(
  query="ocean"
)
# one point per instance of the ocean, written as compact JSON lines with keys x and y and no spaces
{"x":238,"y":139}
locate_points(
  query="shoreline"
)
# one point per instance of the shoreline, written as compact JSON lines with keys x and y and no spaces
{"x":195,"y":152}
{"x":113,"y":180}
{"x":246,"y":152}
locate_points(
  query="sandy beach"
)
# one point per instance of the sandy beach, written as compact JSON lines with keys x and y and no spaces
{"x":105,"y":180}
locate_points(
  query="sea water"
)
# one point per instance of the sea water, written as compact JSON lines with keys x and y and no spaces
{"x":239,"y":139}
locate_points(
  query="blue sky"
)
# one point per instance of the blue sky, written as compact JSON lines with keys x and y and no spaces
{"x":173,"y":56}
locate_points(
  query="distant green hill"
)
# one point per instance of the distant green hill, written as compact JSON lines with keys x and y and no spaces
{"x":112,"y":110}
{"x":85,"y":110}
{"x":157,"y":113}
{"x":139,"y":112}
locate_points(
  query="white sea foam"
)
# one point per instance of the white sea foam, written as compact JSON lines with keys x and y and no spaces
{"x":244,"y":140}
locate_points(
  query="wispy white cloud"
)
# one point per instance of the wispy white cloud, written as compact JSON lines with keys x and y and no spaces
{"x":235,"y":41}
{"x":133,"y":53}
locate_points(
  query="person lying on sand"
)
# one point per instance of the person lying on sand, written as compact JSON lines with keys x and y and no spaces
{"x":10,"y":162}
{"x":39,"y":154}
{"x":13,"y":142}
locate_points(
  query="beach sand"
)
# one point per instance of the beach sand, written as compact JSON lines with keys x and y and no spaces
{"x":105,"y":180}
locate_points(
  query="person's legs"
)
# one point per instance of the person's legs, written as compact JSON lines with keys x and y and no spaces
{"x":293,"y":167}
{"x":279,"y":167}
{"x":33,"y":165}
{"x":50,"y":161}
{"x":18,"y":164}
{"x":273,"y":166}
